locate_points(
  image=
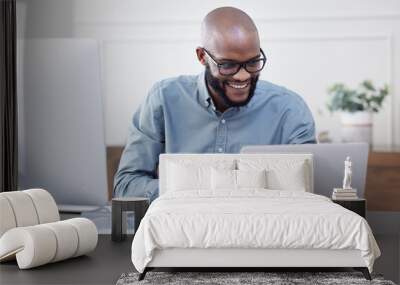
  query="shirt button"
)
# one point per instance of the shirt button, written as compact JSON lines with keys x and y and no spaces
{"x":220,"y":149}
{"x":223,"y":121}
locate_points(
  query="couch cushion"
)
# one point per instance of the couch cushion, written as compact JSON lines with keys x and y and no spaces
{"x":40,"y":244}
{"x":231,"y":180}
{"x":282,"y":174}
{"x":193,"y":175}
{"x":223,"y":179}
{"x":251,"y":178}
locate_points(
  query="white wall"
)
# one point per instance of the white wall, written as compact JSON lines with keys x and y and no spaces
{"x":309,"y":45}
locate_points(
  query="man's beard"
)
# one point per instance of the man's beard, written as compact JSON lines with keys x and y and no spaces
{"x":219,"y":86}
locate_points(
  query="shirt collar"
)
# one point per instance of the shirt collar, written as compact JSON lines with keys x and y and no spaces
{"x":204,"y":96}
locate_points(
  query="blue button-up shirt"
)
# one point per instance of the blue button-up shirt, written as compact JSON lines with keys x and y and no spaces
{"x":178,"y":116}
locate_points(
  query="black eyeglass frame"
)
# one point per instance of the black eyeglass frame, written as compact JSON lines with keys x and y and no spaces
{"x":240,"y":64}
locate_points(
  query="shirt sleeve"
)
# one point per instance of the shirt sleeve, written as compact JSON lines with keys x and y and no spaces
{"x":136,"y":175}
{"x":299,"y":127}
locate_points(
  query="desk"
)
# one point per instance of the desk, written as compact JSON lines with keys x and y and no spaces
{"x":102,"y":266}
{"x":383,"y":179}
{"x":356,"y":205}
{"x":382,"y":185}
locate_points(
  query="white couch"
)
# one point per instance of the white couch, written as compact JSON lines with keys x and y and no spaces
{"x":31,"y":231}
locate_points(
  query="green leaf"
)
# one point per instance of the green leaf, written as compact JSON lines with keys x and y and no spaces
{"x":368,"y":85}
{"x":366,"y":97}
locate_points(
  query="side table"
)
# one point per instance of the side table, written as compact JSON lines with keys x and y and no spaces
{"x":357,"y":205}
{"x":120,"y":206}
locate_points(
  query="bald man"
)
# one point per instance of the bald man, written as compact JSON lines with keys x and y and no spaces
{"x":218,"y":111}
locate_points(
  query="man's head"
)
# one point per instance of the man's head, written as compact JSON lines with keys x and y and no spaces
{"x":228,"y":37}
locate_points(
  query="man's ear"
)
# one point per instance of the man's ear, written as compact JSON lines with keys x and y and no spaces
{"x":201,"y":55}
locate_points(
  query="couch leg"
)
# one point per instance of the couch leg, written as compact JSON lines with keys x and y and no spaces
{"x":143,"y":274}
{"x":364,"y":271}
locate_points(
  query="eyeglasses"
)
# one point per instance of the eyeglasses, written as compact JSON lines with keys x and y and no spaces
{"x":231,"y":67}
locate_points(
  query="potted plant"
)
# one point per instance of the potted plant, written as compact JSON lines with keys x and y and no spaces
{"x":356,"y":107}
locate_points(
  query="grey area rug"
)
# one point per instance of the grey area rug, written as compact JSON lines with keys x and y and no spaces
{"x":269,"y":278}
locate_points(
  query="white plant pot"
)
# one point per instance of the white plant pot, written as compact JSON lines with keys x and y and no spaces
{"x":356,"y":126}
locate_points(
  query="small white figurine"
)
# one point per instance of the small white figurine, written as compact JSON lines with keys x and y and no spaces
{"x":347,"y":174}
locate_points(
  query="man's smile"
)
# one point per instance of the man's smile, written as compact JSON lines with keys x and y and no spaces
{"x":238,"y":85}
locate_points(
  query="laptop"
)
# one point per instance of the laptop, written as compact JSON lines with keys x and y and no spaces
{"x":328,"y":163}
